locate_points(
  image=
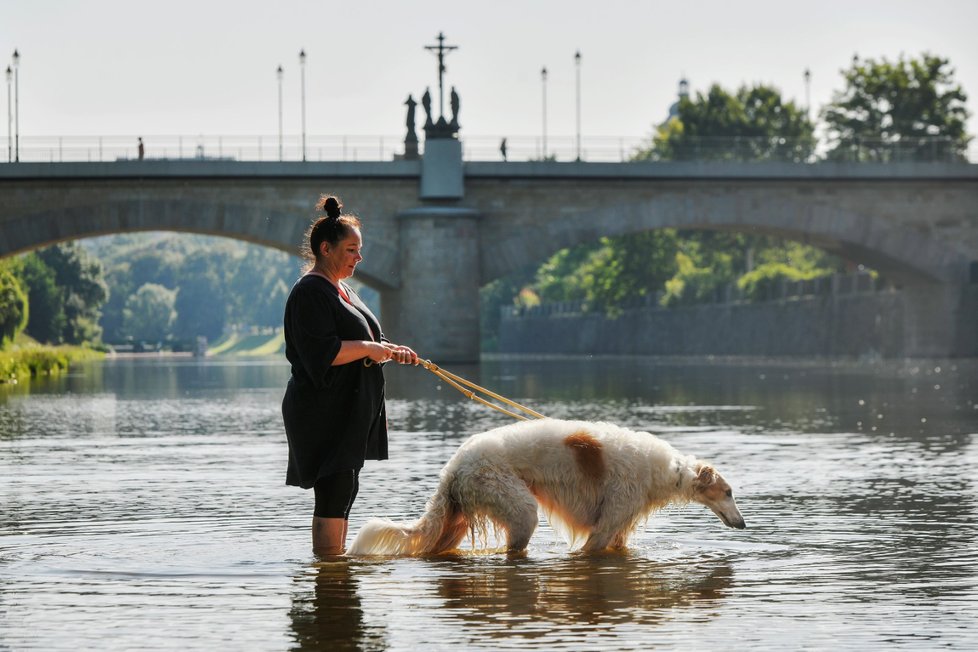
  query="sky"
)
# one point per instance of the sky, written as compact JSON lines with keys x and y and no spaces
{"x":181,"y":67}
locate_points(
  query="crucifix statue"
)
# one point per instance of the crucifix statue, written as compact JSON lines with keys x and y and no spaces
{"x":441,"y":50}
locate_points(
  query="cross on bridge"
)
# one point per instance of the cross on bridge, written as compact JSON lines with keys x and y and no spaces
{"x":441,"y":50}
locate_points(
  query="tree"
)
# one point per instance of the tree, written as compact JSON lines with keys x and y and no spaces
{"x":120,"y":281}
{"x":258,"y":281}
{"x":131,"y":261}
{"x":83,"y":290}
{"x":910,"y":109}
{"x":495,"y":295}
{"x":149,"y":315}
{"x":200,"y":309}
{"x":45,"y":297}
{"x":202,"y":299}
{"x":755,"y":123}
{"x":13,"y":306}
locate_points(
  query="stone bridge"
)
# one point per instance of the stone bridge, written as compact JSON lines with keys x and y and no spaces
{"x":431,"y":243}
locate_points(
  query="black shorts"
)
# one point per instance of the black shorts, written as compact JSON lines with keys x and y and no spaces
{"x":335,"y":494}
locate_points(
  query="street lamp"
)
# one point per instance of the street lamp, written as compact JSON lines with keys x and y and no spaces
{"x":808,"y":101}
{"x":302,"y":74}
{"x":16,"y":106}
{"x":543,"y":77}
{"x":577,"y":64}
{"x":278,"y":73}
{"x":10,"y":118}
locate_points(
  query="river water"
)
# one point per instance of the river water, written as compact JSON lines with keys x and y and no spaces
{"x":142,"y":506}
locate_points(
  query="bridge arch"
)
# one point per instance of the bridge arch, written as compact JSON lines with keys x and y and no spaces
{"x":269,"y":228}
{"x":902,"y":253}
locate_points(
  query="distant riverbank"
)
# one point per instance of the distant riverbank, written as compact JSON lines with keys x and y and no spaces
{"x":26,"y":358}
{"x":238,"y":344}
{"x":22,"y":362}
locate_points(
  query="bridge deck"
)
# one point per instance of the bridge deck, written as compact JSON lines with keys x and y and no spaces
{"x":706,"y":170}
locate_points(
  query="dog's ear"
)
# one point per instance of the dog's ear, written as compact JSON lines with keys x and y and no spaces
{"x":705,"y":476}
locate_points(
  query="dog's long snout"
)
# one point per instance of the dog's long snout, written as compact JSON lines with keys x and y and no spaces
{"x":730,"y":516}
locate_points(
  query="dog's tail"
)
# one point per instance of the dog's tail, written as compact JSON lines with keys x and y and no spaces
{"x":441,"y":528}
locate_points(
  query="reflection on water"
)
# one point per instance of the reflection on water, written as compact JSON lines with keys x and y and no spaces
{"x":142,"y":506}
{"x":600,"y":591}
{"x":584,"y":598}
{"x":327,"y":612}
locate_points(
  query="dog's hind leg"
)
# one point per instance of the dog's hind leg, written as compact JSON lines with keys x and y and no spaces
{"x":506,"y":501}
{"x":521,"y":528}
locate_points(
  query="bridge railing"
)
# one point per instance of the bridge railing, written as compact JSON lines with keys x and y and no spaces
{"x":52,"y":149}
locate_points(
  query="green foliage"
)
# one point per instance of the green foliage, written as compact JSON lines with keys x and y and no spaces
{"x":65,"y":291}
{"x":14,"y":308}
{"x":149,"y":314}
{"x":257,"y":285}
{"x":24,"y":362}
{"x":609,"y":272}
{"x":753,"y":124}
{"x":220,"y":284}
{"x":492,"y":297}
{"x":556,"y":279}
{"x":762,"y":283}
{"x":691,"y":283}
{"x":907,"y":109}
{"x":802,"y":257}
{"x":202,"y":304}
{"x":46,"y":299}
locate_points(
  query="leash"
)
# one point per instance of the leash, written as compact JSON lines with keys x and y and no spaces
{"x":460,"y":384}
{"x":458,"y":381}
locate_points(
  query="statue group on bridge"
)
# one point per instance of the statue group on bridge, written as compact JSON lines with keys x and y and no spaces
{"x":439,"y":128}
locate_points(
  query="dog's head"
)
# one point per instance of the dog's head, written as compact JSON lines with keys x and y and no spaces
{"x":710,"y":489}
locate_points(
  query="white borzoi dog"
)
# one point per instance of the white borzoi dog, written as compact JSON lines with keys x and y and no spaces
{"x":594,"y":481}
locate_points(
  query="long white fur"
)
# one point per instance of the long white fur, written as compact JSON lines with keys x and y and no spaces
{"x":500,"y":478}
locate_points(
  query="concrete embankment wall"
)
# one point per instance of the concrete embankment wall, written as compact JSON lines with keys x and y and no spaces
{"x":880,"y":324}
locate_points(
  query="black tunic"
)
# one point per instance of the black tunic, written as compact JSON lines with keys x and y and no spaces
{"x":334,"y":416}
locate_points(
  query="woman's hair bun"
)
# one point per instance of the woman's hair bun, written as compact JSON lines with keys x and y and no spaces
{"x":330,"y":204}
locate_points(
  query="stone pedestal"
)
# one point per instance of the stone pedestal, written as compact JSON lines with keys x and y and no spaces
{"x":441,"y":169}
{"x":411,"y":147}
{"x":436,"y":309}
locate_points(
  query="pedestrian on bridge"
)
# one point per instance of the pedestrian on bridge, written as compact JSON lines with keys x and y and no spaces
{"x":334,"y":411}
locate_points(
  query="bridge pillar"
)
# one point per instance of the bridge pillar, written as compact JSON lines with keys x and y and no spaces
{"x":435,"y":310}
{"x":941,"y":321}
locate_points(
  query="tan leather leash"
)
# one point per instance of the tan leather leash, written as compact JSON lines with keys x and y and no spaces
{"x":460,"y":384}
{"x":458,"y":381}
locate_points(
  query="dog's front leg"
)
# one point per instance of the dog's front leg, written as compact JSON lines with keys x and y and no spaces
{"x":598,"y":540}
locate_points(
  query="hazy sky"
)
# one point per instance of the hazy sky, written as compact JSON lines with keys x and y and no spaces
{"x":126,"y":67}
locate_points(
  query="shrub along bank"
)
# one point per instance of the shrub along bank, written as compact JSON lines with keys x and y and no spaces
{"x":20,"y":363}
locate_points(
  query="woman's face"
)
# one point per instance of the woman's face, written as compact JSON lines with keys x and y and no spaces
{"x":341,"y":259}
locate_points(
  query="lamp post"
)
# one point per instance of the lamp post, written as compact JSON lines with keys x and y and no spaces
{"x":302,"y":75}
{"x":10,"y":119}
{"x":16,"y":106}
{"x":577,"y":65}
{"x":278,"y":73}
{"x":808,"y":101}
{"x":543,"y":78}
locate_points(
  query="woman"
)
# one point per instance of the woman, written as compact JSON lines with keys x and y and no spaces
{"x":334,"y":403}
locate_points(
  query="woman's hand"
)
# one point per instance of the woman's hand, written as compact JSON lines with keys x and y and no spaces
{"x":401,"y":354}
{"x":378,"y":352}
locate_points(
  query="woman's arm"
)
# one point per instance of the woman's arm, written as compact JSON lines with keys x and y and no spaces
{"x":352,"y":350}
